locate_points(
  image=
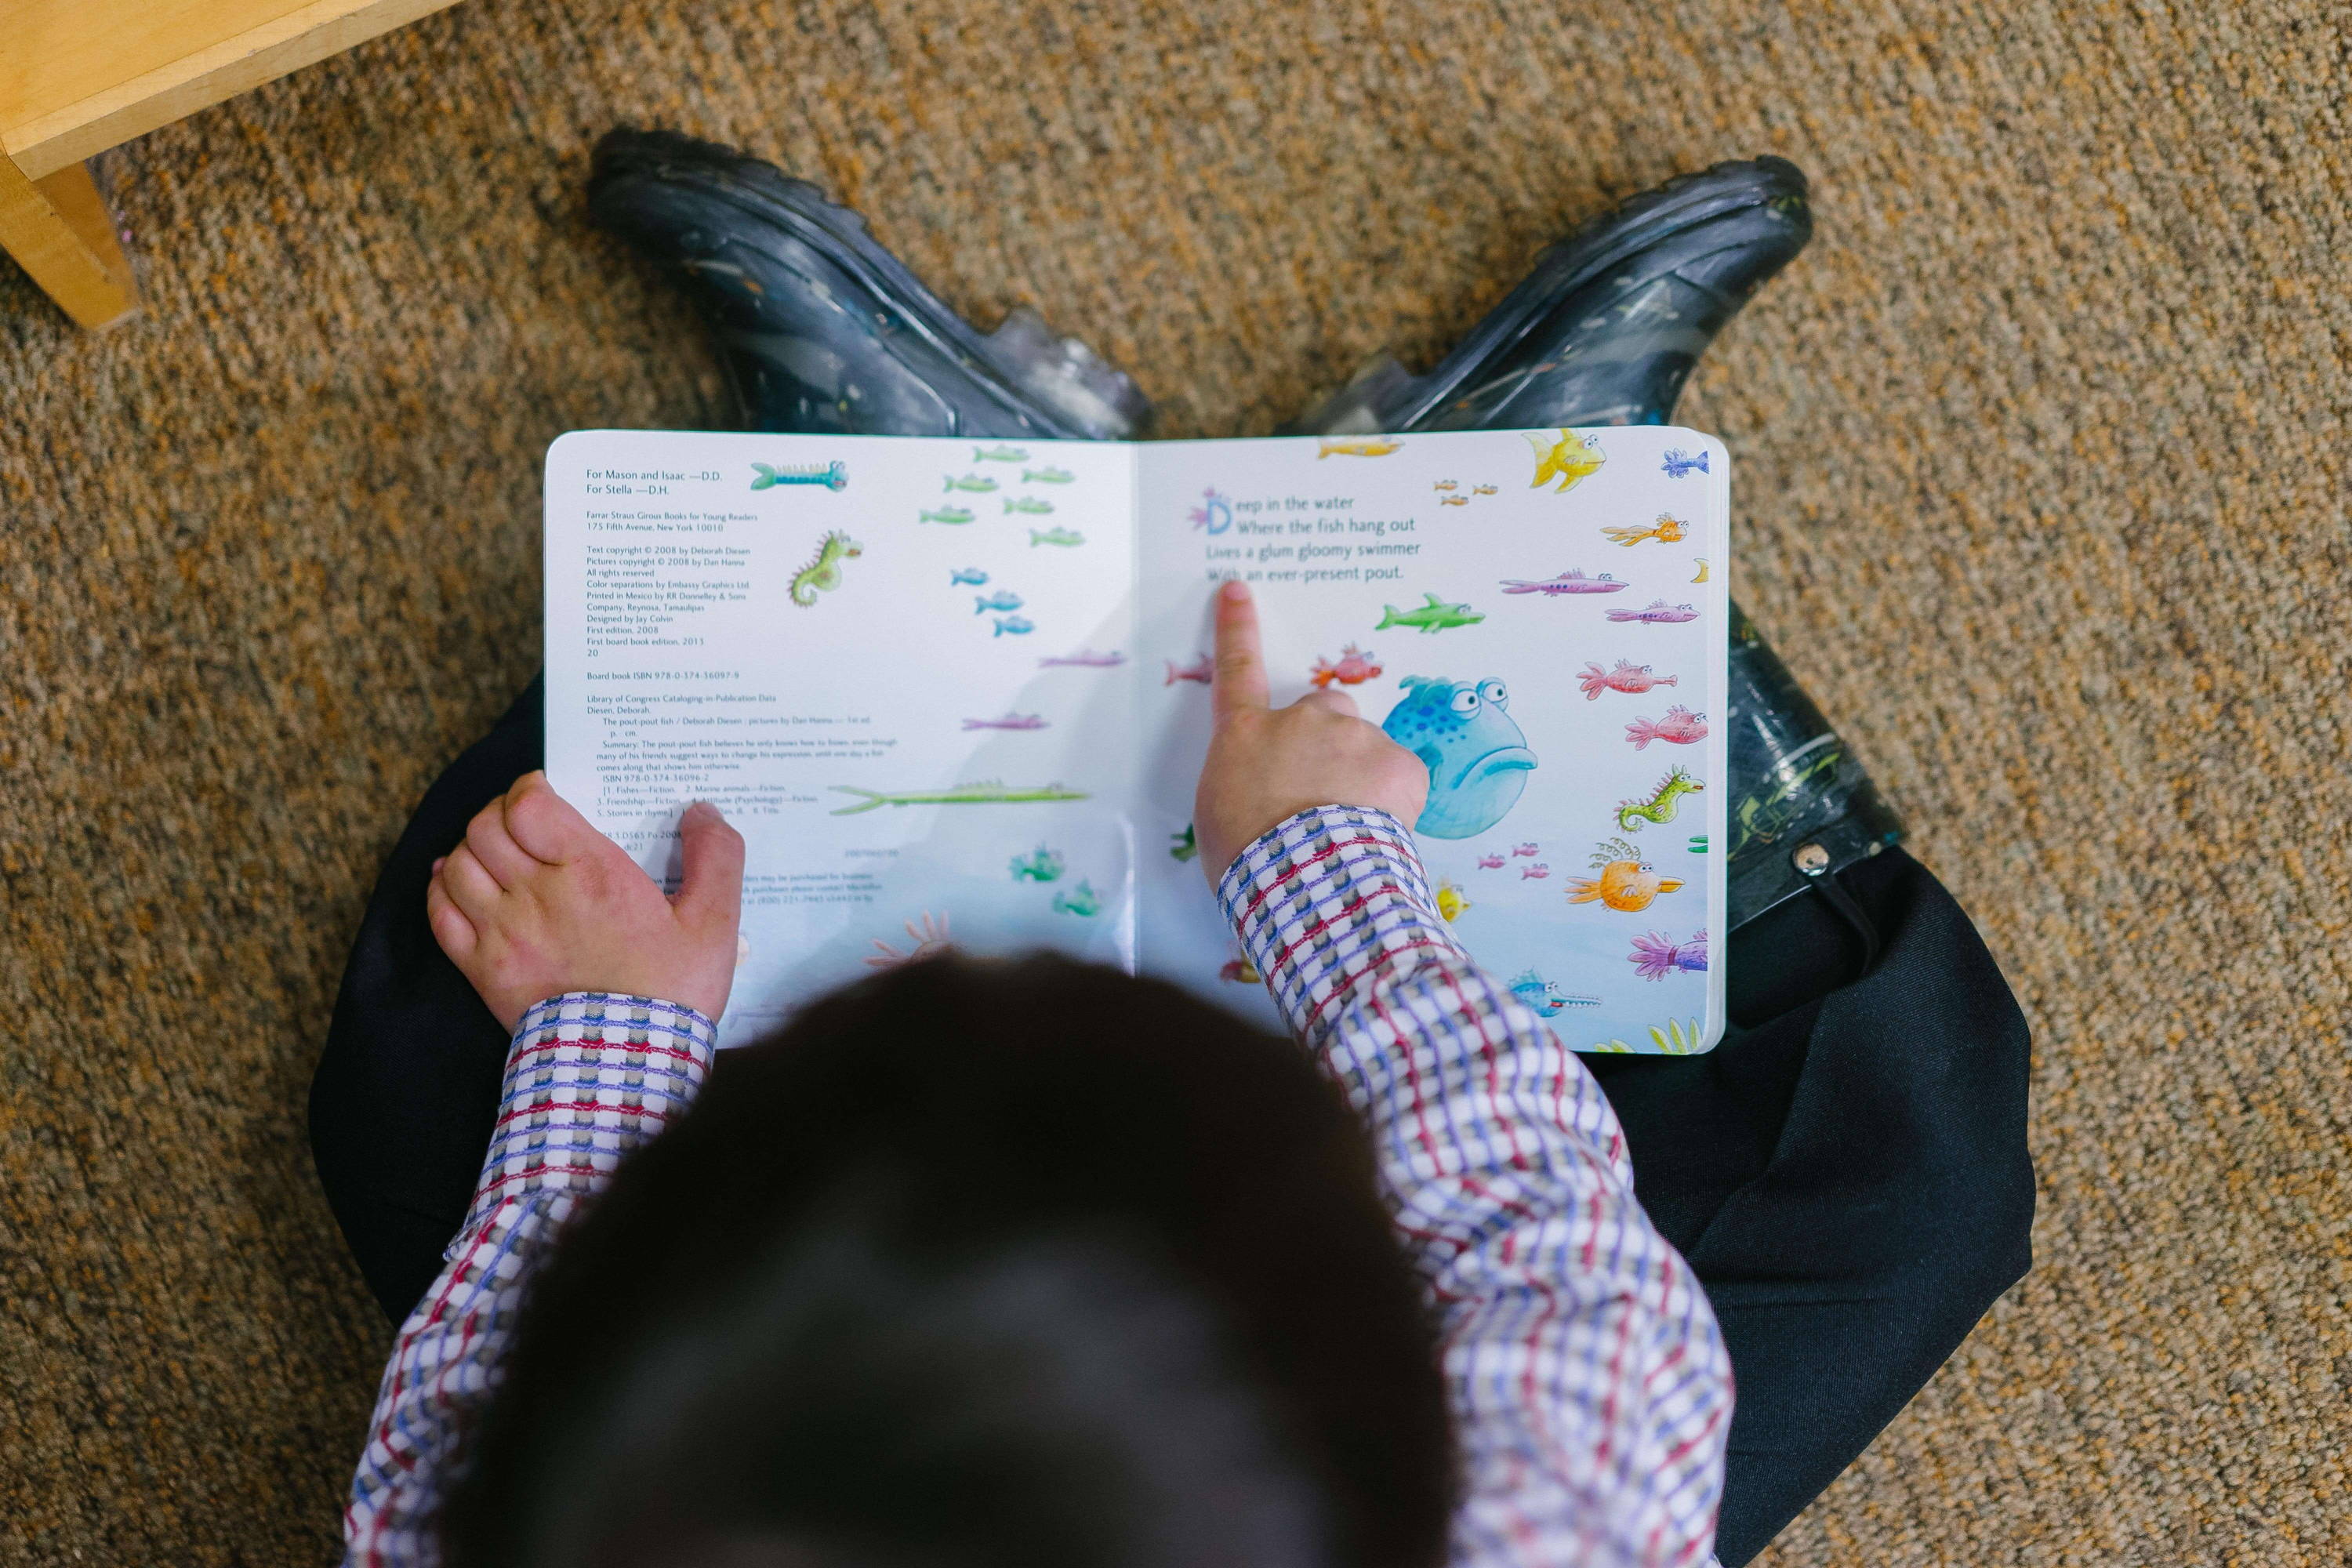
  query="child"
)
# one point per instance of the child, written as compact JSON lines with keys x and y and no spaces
{"x":1034,"y":1262}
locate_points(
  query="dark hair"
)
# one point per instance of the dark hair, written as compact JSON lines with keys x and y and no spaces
{"x":1027,"y":1263}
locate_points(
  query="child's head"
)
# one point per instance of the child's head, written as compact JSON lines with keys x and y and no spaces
{"x":1025,"y":1264}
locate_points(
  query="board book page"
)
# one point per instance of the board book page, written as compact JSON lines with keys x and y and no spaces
{"x":956,"y":691}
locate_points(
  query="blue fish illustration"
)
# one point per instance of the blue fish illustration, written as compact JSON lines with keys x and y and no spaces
{"x":1013,"y":624}
{"x":971,"y":574}
{"x":832,"y":476}
{"x":1476,"y":753}
{"x":1003,"y":599}
{"x":1678,"y":462}
{"x":1548,"y":999}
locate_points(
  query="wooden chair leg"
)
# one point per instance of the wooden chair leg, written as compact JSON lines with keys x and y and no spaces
{"x":57,"y":229}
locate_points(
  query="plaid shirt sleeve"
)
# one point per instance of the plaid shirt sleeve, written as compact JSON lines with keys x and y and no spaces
{"x":1590,"y":1382}
{"x":589,"y":1078}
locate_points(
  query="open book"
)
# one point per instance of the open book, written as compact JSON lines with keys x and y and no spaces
{"x":957,"y":691}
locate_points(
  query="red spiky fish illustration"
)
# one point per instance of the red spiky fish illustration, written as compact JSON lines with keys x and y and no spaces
{"x":1355,"y":666}
{"x":1626,"y":676}
{"x":1680,"y":727}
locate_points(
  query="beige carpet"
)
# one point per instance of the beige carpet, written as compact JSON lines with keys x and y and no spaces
{"x":2043,"y":467}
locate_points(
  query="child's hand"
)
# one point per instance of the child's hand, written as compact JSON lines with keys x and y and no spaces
{"x":536,"y":902}
{"x":1268,"y":763}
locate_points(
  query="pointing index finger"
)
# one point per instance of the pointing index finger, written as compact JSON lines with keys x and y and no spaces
{"x":1241,"y":661}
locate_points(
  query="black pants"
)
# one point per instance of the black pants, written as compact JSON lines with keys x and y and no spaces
{"x":1848,"y":1174}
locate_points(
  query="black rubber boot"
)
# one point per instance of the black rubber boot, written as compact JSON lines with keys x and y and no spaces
{"x":1607,"y":326}
{"x":824,"y":330}
{"x":1605,"y":331}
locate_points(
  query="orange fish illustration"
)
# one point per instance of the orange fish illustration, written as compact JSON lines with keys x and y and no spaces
{"x":1665,"y":531}
{"x":1627,"y":883}
{"x":1357,"y":446}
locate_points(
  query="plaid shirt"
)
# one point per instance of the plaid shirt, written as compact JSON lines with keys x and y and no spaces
{"x":1591,"y":1388}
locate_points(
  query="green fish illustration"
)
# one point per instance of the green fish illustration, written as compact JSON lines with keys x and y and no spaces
{"x":1063,"y":536}
{"x":1000,"y":455}
{"x":1081,"y":900}
{"x":948,"y":514}
{"x":978,"y":483}
{"x":1028,"y":504}
{"x":1047,"y":476}
{"x":1185,"y":846}
{"x":990,"y":792}
{"x":1043,"y":867}
{"x":1433,"y":617}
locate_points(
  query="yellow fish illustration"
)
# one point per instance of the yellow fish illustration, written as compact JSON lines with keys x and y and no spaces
{"x":1359,"y":447}
{"x":1450,"y":901}
{"x":1665,"y":531}
{"x":1568,"y":459}
{"x":1702,"y":571}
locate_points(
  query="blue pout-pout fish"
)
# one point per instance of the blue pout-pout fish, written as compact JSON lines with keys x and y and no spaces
{"x":1476,"y":754}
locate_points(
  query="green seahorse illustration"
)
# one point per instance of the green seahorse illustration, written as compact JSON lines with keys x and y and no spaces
{"x":990,"y":792}
{"x":1661,"y":804}
{"x":823,"y":572}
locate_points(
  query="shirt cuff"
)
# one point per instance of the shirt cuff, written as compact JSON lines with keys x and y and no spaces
{"x":1329,"y":900}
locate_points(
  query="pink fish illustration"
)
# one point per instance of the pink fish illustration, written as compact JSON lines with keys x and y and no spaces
{"x":1490,"y":862}
{"x":1354,"y":668}
{"x":1535,"y":873}
{"x":1569,"y":582}
{"x":1086,"y":659}
{"x":1659,"y":614}
{"x":1010,"y":722}
{"x":1626,"y":676}
{"x":1203,"y":670}
{"x":1523,"y":848}
{"x":1655,"y":958}
{"x":1680,"y":727}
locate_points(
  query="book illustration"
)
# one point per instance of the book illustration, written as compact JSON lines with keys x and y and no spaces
{"x":1627,"y":883}
{"x":1454,"y":501}
{"x":929,"y":941}
{"x":832,"y":476}
{"x":1548,"y":999}
{"x":1436,"y":616}
{"x":1355,"y":668}
{"x":1357,"y":446}
{"x":1447,"y":485}
{"x":979,"y":484}
{"x":1676,"y":463}
{"x":1476,"y":754}
{"x":1680,"y":727}
{"x":1081,"y":900}
{"x":1482,"y":490}
{"x":1702,"y":571}
{"x":1571,"y":581}
{"x":1522,"y":849}
{"x":1005,"y":601}
{"x":1085,"y":658}
{"x":1451,"y":903}
{"x":953,"y":516}
{"x":1490,"y":862}
{"x":823,"y":573}
{"x":1010,"y":722}
{"x":1658,"y":613}
{"x":1697,"y":844}
{"x":1241,"y":971}
{"x":1535,"y":873}
{"x":1203,"y":670}
{"x":1627,"y":677}
{"x":1043,"y":865}
{"x":1184,"y":846}
{"x":1215,"y":513}
{"x":1674,"y":1040}
{"x":1065,"y":537}
{"x":1569,"y":459}
{"x":1000,"y":455}
{"x":1655,"y":958}
{"x":1663,"y":802}
{"x":1046,"y":475}
{"x":1013,"y":626}
{"x":1665,"y":531}
{"x":991,"y":793}
{"x":960,"y":576}
{"x":1035,"y":506}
